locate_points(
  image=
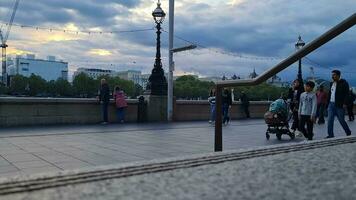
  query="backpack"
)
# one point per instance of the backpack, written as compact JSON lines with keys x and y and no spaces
{"x":120,"y":100}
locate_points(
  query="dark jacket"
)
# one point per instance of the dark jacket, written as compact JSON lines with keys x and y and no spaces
{"x":104,"y":93}
{"x":295,"y":99}
{"x":227,"y":99}
{"x":342,"y":91}
{"x":244,"y":100}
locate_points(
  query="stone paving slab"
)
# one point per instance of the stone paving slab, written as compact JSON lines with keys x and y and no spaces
{"x":319,"y":173}
{"x":67,"y":147}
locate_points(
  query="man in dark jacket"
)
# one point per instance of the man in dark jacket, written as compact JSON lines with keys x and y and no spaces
{"x":104,"y":98}
{"x":339,"y":90}
{"x":245,"y":103}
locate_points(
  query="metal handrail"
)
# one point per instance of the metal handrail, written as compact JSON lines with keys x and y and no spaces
{"x":310,"y":47}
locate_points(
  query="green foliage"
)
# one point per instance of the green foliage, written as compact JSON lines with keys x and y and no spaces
{"x":37,"y":85}
{"x":261,"y":92}
{"x":51,"y":88}
{"x":189,"y":87}
{"x":19,"y":85}
{"x":84,"y":86}
{"x":63,"y":88}
{"x":3,"y":90}
{"x":185,"y":87}
{"x":127,"y":86}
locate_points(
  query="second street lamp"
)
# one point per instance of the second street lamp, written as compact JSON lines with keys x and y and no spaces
{"x":157,"y":81}
{"x":300,"y":44}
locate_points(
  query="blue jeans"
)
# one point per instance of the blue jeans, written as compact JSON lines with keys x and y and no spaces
{"x":120,"y":113}
{"x":104,"y":109}
{"x":226,"y":113}
{"x":212,"y":112}
{"x":340,"y":114}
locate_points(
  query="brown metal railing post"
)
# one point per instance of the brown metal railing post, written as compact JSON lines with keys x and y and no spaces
{"x":218,"y":120}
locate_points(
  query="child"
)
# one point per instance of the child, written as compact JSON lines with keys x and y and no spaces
{"x":211,"y":100}
{"x":121,"y":104}
{"x":307,"y":110}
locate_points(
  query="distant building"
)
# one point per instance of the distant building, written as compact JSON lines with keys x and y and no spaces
{"x":277,"y":81}
{"x":94,"y":73}
{"x":131,"y":75}
{"x":212,"y":79}
{"x":253,"y":74}
{"x":144,"y":80}
{"x":49,"y":69}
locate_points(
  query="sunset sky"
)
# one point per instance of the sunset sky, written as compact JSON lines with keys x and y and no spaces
{"x":261,"y":32}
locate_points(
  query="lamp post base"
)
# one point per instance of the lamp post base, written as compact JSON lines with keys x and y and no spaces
{"x":156,"y":108}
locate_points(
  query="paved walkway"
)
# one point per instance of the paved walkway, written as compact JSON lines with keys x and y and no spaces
{"x":25,"y":151}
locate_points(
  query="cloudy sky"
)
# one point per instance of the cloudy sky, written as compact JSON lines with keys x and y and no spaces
{"x":235,"y":36}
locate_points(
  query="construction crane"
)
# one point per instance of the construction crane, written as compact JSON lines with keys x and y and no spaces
{"x":4,"y":35}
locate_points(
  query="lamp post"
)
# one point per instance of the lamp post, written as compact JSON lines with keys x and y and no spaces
{"x":157,"y":81}
{"x":300,"y":44}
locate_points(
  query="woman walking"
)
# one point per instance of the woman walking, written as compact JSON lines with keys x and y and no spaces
{"x":294,"y":98}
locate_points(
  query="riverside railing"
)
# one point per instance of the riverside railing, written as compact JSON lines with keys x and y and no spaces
{"x":310,"y":47}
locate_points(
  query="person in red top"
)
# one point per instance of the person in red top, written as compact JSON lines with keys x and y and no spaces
{"x":121,"y":104}
{"x":322,"y":100}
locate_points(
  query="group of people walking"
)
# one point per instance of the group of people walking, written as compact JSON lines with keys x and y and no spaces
{"x":119,"y":98}
{"x":226,"y":105}
{"x":308,"y":107}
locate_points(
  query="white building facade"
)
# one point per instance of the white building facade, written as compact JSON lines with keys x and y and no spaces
{"x":49,"y":69}
{"x":94,"y":73}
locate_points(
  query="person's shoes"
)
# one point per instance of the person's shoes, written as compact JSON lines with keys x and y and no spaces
{"x":104,"y":123}
{"x":210,"y":121}
{"x":348,"y":134}
{"x":328,"y":137}
{"x":122,"y":121}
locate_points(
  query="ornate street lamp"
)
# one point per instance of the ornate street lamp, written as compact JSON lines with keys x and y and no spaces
{"x":157,"y":81}
{"x":300,"y":44}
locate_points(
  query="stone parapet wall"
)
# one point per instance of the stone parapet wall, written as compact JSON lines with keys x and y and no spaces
{"x":47,"y":111}
{"x":200,"y":110}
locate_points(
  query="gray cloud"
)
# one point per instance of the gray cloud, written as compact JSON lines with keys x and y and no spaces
{"x":255,"y":28}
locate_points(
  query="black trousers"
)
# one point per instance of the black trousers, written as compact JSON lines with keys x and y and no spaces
{"x":246,"y":110}
{"x":295,"y":124}
{"x":320,"y":113}
{"x":350,"y":112}
{"x":308,"y":133}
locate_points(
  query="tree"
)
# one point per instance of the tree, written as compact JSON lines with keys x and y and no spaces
{"x":126,"y":85}
{"x":261,"y":92}
{"x":37,"y":85}
{"x":63,"y":88}
{"x":3,"y":89}
{"x":51,"y":88}
{"x":85,"y":86}
{"x":19,"y":85}
{"x":189,"y":87}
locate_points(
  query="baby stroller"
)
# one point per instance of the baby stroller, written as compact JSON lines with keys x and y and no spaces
{"x":277,"y":119}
